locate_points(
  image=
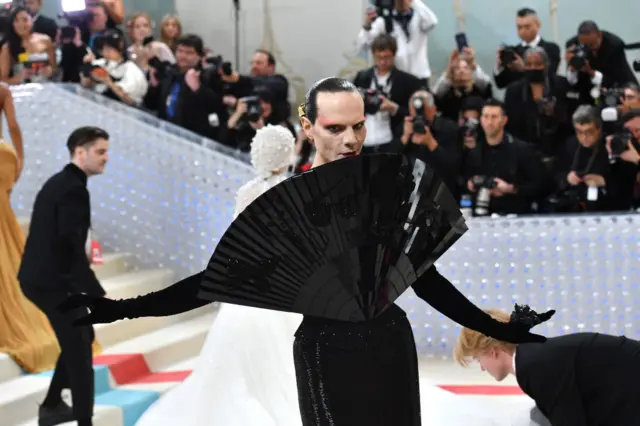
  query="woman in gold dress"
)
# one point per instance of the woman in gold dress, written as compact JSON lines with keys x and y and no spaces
{"x":25,"y":333}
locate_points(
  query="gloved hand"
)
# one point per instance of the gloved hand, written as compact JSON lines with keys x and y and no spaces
{"x":101,"y":309}
{"x":516,"y":331}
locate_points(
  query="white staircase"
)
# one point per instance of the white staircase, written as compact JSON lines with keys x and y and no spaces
{"x":131,"y":350}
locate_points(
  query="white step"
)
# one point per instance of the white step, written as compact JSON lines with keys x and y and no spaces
{"x":102,"y":416}
{"x":170,"y":345}
{"x":113,"y":264}
{"x":133,"y":284}
{"x":19,"y":398}
{"x":8,"y":368}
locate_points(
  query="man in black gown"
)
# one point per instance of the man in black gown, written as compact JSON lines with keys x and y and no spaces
{"x":347,"y":373}
{"x":580,"y":379}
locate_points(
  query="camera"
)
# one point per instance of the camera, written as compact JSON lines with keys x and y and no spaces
{"x":507,"y":55}
{"x":636,"y":65}
{"x":372,"y":101}
{"x":483,"y":198}
{"x":254,"y":109}
{"x":581,"y":55}
{"x":469,"y":127}
{"x":619,"y":143}
{"x":219,"y":63}
{"x":420,"y":124}
{"x":612,"y":97}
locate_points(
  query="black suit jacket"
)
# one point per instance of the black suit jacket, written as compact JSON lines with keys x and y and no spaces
{"x":403,"y":85}
{"x":506,"y":76}
{"x":54,"y":260}
{"x":44,"y":25}
{"x":583,"y":379}
{"x":610,"y":60}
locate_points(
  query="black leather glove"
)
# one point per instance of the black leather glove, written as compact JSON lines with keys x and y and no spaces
{"x":101,"y":309}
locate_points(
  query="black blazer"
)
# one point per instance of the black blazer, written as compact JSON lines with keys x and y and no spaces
{"x":610,"y":60}
{"x":54,"y":259}
{"x":506,"y":76}
{"x":44,"y":25}
{"x":403,"y":85}
{"x":583,"y":379}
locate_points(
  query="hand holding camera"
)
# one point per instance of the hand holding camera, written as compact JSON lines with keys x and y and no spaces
{"x":507,"y":57}
{"x":573,"y":179}
{"x":621,"y":146}
{"x":192,"y":78}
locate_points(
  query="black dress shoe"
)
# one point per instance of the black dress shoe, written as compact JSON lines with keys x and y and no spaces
{"x":51,"y":416}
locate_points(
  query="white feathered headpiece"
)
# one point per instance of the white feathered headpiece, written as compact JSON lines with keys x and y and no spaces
{"x":272,"y":149}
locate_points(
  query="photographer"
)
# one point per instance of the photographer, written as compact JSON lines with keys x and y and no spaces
{"x":387,"y":91}
{"x":510,"y":59}
{"x":41,"y":24}
{"x":583,"y":171}
{"x":536,"y":110}
{"x":501,"y":171}
{"x":263,"y":74}
{"x":596,"y":59}
{"x":624,"y":153}
{"x":114,"y":75}
{"x":408,"y":22}
{"x":144,"y":50}
{"x":431,"y":138}
{"x":253,"y":113}
{"x":183,"y":93}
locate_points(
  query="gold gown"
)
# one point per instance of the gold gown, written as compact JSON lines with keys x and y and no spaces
{"x":25,"y":332}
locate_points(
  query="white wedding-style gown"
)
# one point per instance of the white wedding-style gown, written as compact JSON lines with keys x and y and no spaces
{"x":245,"y":374}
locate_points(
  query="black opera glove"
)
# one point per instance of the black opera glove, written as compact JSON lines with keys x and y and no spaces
{"x":101,"y":309}
{"x":517,"y":330}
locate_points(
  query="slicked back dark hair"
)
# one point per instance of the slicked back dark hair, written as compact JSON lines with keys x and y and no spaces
{"x":327,"y":85}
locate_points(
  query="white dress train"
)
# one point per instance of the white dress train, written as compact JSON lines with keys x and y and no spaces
{"x":245,"y":373}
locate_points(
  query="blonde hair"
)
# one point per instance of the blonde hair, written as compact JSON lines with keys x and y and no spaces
{"x":171,"y":42}
{"x":472,"y":343}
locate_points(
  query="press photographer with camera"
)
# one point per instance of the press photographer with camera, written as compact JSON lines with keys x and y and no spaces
{"x":114,"y":75}
{"x":596,"y":59}
{"x":262,"y":74}
{"x":463,"y":78}
{"x":409,"y":22}
{"x":251,"y":114}
{"x":431,"y":138}
{"x":183,"y":93}
{"x":41,"y":24}
{"x":85,"y":27}
{"x":510,"y":64}
{"x":386,"y":91}
{"x":582,"y":176}
{"x":624,"y":155}
{"x":536,"y":109}
{"x":502,"y":171}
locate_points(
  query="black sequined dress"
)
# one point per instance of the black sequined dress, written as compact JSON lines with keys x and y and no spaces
{"x":357,"y":373}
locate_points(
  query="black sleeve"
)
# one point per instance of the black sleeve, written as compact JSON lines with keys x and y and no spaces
{"x":506,"y":77}
{"x":74,"y":221}
{"x":175,"y":299}
{"x":531,"y":171}
{"x":553,"y":52}
{"x":438,"y":292}
{"x":622,"y":71}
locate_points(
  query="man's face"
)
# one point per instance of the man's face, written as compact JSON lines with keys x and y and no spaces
{"x":98,"y":21}
{"x":34,"y":6}
{"x":528,"y":27}
{"x":633,"y":126}
{"x":588,"y":134}
{"x":495,"y":362}
{"x":260,"y":65}
{"x":631,"y":98}
{"x":339,"y":130}
{"x":534,"y":61}
{"x":384,"y":60}
{"x":186,"y":57}
{"x":493,"y":120}
{"x":403,"y":5}
{"x":592,"y":40}
{"x":93,"y":158}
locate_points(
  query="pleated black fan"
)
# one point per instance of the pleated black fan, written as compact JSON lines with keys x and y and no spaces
{"x":341,"y":241}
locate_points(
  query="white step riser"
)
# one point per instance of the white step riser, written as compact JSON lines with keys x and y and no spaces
{"x":114,"y":265}
{"x":143,"y":285}
{"x":102,"y":416}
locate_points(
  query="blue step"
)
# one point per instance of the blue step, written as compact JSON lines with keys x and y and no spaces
{"x":132,"y":403}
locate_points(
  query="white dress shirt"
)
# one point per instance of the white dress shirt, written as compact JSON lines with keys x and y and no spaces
{"x":412,"y":55}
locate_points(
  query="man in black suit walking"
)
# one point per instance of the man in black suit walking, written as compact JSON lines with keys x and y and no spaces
{"x":528,"y":25}
{"x":581,"y":379}
{"x":55,"y":264}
